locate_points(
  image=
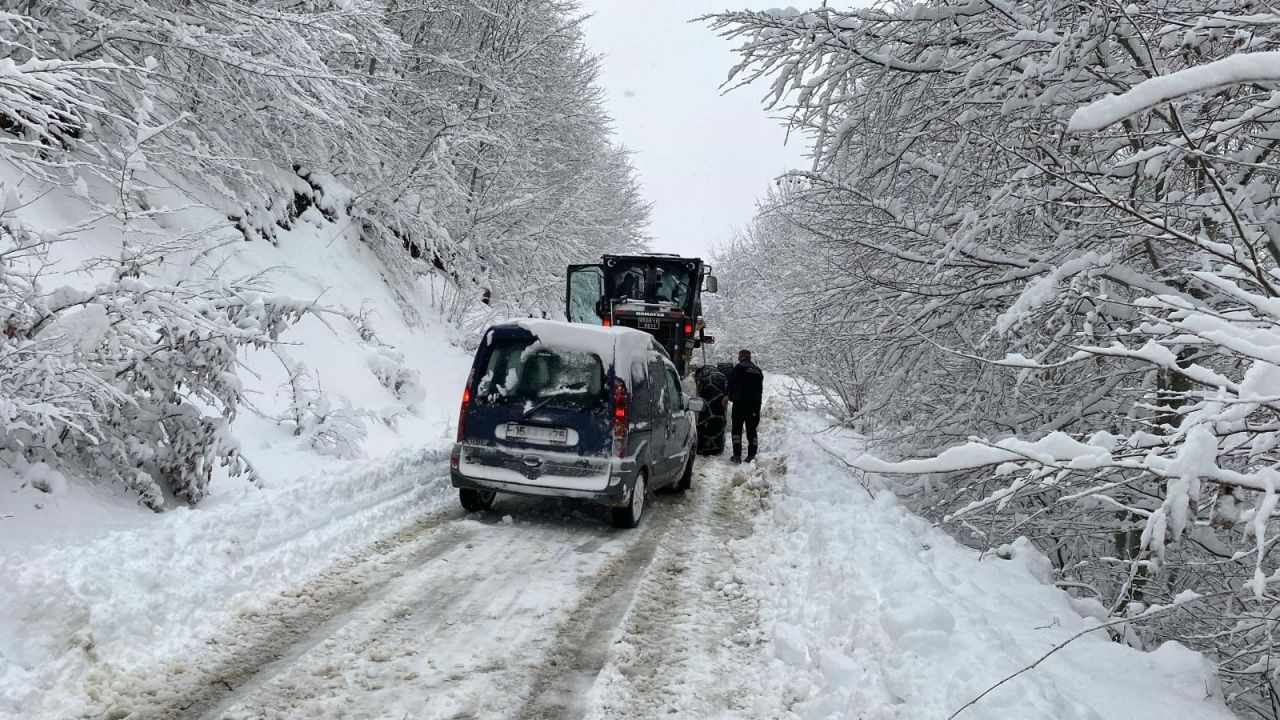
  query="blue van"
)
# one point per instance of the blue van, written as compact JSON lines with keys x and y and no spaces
{"x":558,"y":409}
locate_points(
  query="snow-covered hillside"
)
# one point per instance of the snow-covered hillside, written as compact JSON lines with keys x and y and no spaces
{"x":242,"y":248}
{"x":370,"y":371}
{"x":343,"y":421}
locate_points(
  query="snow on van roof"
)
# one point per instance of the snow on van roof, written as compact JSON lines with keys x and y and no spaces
{"x":620,"y":344}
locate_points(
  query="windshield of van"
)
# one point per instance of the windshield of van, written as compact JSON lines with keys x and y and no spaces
{"x":530,"y":372}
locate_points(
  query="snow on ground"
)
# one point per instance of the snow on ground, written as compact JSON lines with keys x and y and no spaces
{"x":785,"y":589}
{"x":92,"y":578}
{"x":868,"y":611}
{"x":151,"y":594}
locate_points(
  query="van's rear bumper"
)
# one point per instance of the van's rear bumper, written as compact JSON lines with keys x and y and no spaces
{"x":603,"y":480}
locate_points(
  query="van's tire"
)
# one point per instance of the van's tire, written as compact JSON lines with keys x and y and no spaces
{"x":628,"y":516}
{"x":686,"y":480}
{"x":476,"y":500}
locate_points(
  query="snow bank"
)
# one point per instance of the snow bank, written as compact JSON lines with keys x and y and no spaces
{"x":872,"y":612}
{"x":91,"y":578}
{"x":1242,"y":68}
{"x":132,"y":598}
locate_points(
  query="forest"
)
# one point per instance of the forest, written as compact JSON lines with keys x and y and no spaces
{"x":1035,"y":259}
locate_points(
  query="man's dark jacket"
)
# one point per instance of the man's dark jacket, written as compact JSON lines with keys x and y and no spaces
{"x":746,"y":386}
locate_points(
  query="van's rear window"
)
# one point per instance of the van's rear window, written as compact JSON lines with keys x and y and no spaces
{"x":530,"y":371}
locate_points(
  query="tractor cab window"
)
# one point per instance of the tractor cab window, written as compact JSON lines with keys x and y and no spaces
{"x":650,"y":282}
{"x":672,"y":285}
{"x":583,"y":299}
{"x":630,"y":283}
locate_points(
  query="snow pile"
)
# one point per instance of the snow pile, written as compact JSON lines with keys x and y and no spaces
{"x":871,"y":612}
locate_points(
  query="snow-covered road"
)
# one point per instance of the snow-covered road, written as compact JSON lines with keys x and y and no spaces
{"x":785,"y":589}
{"x":511,"y":614}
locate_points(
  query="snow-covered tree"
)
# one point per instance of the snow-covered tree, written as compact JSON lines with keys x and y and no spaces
{"x":466,"y":140}
{"x":1052,"y":225}
{"x":132,"y":379}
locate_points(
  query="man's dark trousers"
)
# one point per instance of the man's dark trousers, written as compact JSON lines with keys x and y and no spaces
{"x":749,"y":417}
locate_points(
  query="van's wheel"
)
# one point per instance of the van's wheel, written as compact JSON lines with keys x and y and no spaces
{"x":686,"y":480}
{"x":476,"y":500}
{"x":628,"y":516}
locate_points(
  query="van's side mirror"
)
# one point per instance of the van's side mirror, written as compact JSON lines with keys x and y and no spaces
{"x":695,"y":404}
{"x":712,"y":284}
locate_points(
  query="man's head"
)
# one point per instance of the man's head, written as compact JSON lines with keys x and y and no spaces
{"x":744,"y":355}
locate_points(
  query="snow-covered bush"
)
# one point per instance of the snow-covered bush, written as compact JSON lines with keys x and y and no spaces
{"x":403,"y":381}
{"x":46,"y":103}
{"x":339,"y":431}
{"x":129,"y":380}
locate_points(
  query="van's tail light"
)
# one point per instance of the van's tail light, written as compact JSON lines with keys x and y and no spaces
{"x":462,"y":411}
{"x":688,"y":327}
{"x":605,"y":321}
{"x":619,"y":418}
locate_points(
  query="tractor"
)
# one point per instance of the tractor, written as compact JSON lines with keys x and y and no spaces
{"x":658,"y":293}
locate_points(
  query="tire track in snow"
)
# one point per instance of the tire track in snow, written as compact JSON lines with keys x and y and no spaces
{"x":681,"y":647}
{"x":455,"y":616}
{"x":476,"y":631}
{"x":688,"y":646}
{"x":582,"y":643}
{"x":260,"y":639}
{"x":645,"y":632}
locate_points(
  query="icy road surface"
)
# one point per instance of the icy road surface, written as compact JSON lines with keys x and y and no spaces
{"x":787,"y":589}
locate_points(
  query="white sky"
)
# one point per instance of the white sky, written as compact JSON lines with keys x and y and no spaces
{"x":703,"y":157}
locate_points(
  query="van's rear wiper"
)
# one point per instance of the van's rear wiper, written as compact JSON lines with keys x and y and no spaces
{"x":537,"y":406}
{"x":558,"y":392}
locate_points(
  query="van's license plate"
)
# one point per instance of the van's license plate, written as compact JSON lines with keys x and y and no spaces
{"x":533,"y":433}
{"x":650,"y":323}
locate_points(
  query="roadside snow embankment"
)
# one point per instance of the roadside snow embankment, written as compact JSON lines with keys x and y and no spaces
{"x":345,"y":421}
{"x":134,"y":598}
{"x":874,"y":613}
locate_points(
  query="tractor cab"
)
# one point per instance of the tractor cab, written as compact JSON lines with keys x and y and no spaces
{"x":657,"y":293}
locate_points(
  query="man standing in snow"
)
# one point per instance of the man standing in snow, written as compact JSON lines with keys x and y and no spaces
{"x":746,"y":387}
